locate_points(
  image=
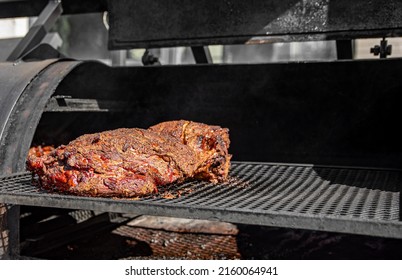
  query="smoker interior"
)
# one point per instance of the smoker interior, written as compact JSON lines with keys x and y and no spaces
{"x":342,"y":114}
{"x":329,"y":113}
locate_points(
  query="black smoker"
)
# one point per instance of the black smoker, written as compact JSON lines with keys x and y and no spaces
{"x":317,"y":143}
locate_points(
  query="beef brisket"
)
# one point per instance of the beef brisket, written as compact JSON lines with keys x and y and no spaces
{"x":210,"y":143}
{"x":131,"y":162}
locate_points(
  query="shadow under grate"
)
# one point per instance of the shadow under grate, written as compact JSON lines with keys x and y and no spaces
{"x":352,"y":200}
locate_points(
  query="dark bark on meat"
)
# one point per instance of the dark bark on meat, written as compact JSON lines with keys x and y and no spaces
{"x":133,"y":162}
{"x":210,"y":143}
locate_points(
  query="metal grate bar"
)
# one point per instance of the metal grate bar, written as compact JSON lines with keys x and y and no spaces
{"x":351,"y":200}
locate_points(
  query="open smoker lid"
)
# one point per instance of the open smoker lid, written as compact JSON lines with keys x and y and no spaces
{"x":32,"y":8}
{"x":161,"y":23}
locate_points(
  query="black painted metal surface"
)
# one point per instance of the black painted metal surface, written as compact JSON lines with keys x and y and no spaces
{"x":142,"y":23}
{"x":23,"y":106}
{"x":14,"y":78}
{"x":359,"y":201}
{"x":31,"y":8}
{"x":26,"y":88}
{"x":202,"y":55}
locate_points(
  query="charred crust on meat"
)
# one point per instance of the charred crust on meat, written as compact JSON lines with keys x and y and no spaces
{"x":133,"y":162}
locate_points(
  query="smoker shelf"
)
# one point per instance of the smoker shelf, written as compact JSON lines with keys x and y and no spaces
{"x":349,"y":200}
{"x":68,"y":104}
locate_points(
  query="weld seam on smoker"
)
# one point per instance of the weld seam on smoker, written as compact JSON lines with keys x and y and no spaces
{"x":357,"y":201}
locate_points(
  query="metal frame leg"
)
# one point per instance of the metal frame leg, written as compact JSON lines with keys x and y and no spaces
{"x":202,"y":55}
{"x":344,"y":49}
{"x":9,"y":231}
{"x":38,"y":31}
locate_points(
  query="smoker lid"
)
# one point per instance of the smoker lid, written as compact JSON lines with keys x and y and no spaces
{"x":31,"y":8}
{"x":160,"y":23}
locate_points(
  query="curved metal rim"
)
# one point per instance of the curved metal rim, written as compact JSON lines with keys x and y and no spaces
{"x":25,"y":116}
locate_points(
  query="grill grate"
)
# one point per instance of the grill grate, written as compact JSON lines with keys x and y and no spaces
{"x":362,"y":201}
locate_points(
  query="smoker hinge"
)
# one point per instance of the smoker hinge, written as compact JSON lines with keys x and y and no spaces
{"x":383,"y":49}
{"x":149,"y":59}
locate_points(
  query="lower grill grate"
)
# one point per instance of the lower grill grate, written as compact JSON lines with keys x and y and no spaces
{"x":361,"y":201}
